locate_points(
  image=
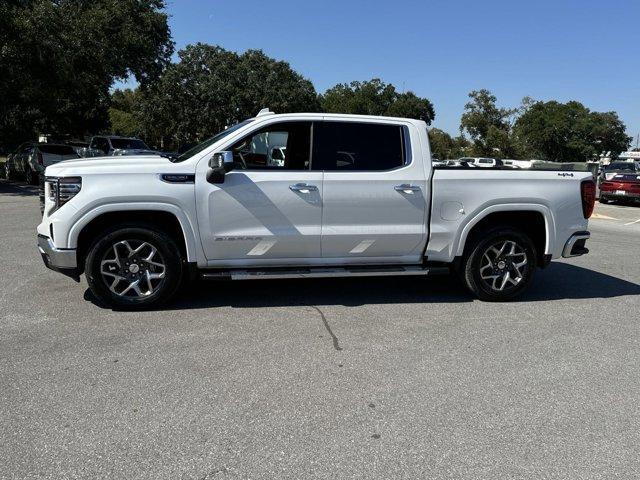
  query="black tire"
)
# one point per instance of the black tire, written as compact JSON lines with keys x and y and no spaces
{"x":475,"y":261}
{"x":604,"y":200}
{"x":167,"y":254}
{"x":30,"y":176}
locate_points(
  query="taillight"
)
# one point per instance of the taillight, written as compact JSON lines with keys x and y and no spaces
{"x":40,"y":159}
{"x":588,"y":193}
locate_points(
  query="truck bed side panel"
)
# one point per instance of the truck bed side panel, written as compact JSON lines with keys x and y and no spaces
{"x":462,"y":198}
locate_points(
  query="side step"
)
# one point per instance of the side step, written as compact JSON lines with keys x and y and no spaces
{"x":322,"y":272}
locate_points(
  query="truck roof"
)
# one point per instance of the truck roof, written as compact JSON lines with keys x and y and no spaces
{"x":334,"y":116}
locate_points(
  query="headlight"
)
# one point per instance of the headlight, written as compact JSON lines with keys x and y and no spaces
{"x":62,"y":189}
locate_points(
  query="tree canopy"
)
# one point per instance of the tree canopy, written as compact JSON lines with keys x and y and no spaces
{"x":210,"y":88}
{"x":487,"y":124}
{"x":445,"y":147}
{"x":569,"y":132}
{"x":375,"y":97}
{"x":59,"y":58}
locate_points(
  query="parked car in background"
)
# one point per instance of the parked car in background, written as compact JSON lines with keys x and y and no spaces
{"x":484,"y":162}
{"x":106,"y":146}
{"x":457,"y":163}
{"x":610,"y":171}
{"x":622,"y":186}
{"x":78,"y":146}
{"x":509,"y":162}
{"x":30,"y":159}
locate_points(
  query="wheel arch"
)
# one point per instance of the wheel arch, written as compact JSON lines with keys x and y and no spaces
{"x":165,"y":217}
{"x":535,"y":220}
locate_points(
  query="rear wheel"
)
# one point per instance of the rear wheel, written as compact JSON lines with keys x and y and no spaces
{"x":134,"y":268}
{"x":500,"y":265}
{"x":30,"y":176}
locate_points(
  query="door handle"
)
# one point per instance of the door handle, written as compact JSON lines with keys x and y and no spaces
{"x":303,"y":188}
{"x":406,"y":188}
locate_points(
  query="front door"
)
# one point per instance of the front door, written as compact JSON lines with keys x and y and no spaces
{"x":269,"y":208}
{"x":375,"y":197}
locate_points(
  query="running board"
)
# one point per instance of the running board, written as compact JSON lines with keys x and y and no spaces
{"x":322,"y":272}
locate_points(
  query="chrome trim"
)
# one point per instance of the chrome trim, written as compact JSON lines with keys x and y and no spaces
{"x":56,"y":257}
{"x":319,"y":273}
{"x":566,"y":251}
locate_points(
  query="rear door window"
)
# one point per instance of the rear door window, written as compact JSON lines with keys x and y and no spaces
{"x":352,"y":146}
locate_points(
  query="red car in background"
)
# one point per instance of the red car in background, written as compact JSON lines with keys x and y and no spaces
{"x":622,"y":186}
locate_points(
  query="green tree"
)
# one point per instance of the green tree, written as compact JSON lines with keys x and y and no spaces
{"x":569,"y":132}
{"x":375,"y":97}
{"x":210,"y":88}
{"x":124,"y":117}
{"x":59,"y":58}
{"x":488,"y":125}
{"x":445,"y":147}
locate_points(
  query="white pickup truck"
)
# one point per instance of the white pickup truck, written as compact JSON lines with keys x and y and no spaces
{"x":353,"y":196}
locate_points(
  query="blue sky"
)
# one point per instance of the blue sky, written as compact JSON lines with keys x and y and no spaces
{"x":581,"y":50}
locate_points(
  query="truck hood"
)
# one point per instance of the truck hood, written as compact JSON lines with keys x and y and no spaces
{"x":129,"y":164}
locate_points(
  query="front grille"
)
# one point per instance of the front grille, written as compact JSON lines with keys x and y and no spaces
{"x":41,"y":193}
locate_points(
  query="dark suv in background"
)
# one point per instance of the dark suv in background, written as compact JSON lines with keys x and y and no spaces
{"x":109,"y":145}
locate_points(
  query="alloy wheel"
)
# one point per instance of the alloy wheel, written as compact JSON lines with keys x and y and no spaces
{"x":503,"y":265}
{"x":133,"y":268}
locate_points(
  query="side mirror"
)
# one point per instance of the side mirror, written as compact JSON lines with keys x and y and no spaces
{"x":219,"y":164}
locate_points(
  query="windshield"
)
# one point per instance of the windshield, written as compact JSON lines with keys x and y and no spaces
{"x":620,"y":166}
{"x":207,"y":143}
{"x":128,"y":144}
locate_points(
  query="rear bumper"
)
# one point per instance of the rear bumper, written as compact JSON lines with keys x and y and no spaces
{"x":613,"y":194}
{"x":575,"y":246}
{"x":60,"y":260}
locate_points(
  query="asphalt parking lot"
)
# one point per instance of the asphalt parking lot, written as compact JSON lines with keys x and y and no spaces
{"x":365,"y":378}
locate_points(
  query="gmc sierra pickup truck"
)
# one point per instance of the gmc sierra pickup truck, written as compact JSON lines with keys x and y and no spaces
{"x":306,"y":195}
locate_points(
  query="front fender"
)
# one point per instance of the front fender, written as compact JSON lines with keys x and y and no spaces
{"x":188,"y":229}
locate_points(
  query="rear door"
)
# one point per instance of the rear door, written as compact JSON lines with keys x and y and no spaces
{"x":374,"y":189}
{"x":268,"y":210}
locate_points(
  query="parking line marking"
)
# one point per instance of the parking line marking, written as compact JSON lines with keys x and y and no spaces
{"x":603,"y":217}
{"x":631,"y":223}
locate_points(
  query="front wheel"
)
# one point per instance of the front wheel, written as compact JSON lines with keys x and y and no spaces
{"x":134,"y":268}
{"x":500,"y":265}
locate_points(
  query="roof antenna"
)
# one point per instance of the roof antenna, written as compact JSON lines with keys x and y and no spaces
{"x":264,"y":111}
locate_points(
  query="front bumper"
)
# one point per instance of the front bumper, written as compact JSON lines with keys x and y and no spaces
{"x":575,"y":245}
{"x":60,"y":260}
